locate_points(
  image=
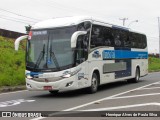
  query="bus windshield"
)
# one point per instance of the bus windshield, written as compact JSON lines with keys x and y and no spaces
{"x":50,"y":50}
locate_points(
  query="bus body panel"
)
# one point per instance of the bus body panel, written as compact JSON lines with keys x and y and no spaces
{"x":79,"y":80}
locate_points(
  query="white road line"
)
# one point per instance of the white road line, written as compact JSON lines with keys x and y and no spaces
{"x":122,"y":107}
{"x":80,"y":106}
{"x":150,"y":88}
{"x":12,"y":92}
{"x":14,"y":102}
{"x":151,"y":94}
{"x":83,"y":105}
{"x":39,"y":118}
{"x":157,"y":82}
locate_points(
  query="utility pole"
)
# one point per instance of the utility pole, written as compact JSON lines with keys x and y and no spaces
{"x":159,"y":34}
{"x":123,"y":19}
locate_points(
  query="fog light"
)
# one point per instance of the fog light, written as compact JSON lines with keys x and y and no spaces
{"x":69,"y":84}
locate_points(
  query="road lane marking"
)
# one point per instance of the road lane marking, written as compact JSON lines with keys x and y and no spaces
{"x":131,"y":96}
{"x":14,"y":102}
{"x":83,"y":105}
{"x":122,"y":107}
{"x":157,"y":83}
{"x":150,"y":88}
{"x":12,"y":92}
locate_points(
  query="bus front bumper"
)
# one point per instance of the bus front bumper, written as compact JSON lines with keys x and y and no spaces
{"x":65,"y":84}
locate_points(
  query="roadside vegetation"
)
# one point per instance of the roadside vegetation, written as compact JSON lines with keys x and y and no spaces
{"x":153,"y":64}
{"x":12,"y":66}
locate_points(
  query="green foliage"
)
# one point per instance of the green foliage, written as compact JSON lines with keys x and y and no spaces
{"x":12,"y":63}
{"x":154,"y":64}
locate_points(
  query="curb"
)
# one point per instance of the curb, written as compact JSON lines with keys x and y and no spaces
{"x":12,"y":88}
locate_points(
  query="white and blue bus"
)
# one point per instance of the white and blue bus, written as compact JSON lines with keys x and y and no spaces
{"x":82,"y":52}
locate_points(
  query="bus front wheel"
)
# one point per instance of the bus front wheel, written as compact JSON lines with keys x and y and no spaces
{"x":94,"y":84}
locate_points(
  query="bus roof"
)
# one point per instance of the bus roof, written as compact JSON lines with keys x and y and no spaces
{"x":60,"y":22}
{"x":74,"y":20}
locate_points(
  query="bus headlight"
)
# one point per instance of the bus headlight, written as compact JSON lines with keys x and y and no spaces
{"x":67,"y":75}
{"x":29,"y":77}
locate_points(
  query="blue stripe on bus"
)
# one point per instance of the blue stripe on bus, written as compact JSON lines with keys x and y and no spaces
{"x":124,"y":54}
{"x":33,"y":74}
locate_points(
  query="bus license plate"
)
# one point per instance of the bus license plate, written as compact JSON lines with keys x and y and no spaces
{"x":47,"y":87}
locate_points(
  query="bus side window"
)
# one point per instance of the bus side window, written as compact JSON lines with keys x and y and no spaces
{"x":82,"y":48}
{"x":132,"y":38}
{"x":117,"y":38}
{"x":144,"y":41}
{"x":139,"y":41}
{"x":96,"y":36}
{"x":108,"y":38}
{"x":117,"y":41}
{"x":84,"y":26}
{"x":125,"y":39}
{"x":101,"y":36}
{"x":79,"y":49}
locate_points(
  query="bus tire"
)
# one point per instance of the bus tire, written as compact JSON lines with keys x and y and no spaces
{"x":53,"y":91}
{"x":94,"y":84}
{"x":137,"y":75}
{"x":136,"y":78}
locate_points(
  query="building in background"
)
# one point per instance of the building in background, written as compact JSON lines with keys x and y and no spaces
{"x":10,"y":34}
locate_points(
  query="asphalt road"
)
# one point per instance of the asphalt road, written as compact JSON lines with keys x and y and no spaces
{"x":109,"y":96}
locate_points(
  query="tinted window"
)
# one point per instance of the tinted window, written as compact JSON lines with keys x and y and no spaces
{"x":121,"y":38}
{"x":105,"y":36}
{"x":125,"y":37}
{"x":144,"y":41}
{"x":82,"y":49}
{"x":84,"y":26}
{"x":101,"y":36}
{"x":138,"y":40}
{"x":108,"y":36}
{"x":132,"y":38}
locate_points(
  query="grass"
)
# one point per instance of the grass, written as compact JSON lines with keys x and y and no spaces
{"x":154,"y":64}
{"x":12,"y":63}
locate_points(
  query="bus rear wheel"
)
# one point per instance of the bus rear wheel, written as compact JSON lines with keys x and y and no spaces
{"x":136,"y":78}
{"x":94,"y":84}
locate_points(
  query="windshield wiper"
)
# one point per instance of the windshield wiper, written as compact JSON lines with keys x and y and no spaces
{"x":52,"y":55}
{"x":41,"y":56}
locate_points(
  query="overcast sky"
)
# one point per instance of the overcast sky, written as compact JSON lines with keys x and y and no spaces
{"x":145,"y":11}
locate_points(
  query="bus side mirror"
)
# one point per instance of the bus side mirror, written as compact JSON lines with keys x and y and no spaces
{"x":17,"y":41}
{"x":75,"y":36}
